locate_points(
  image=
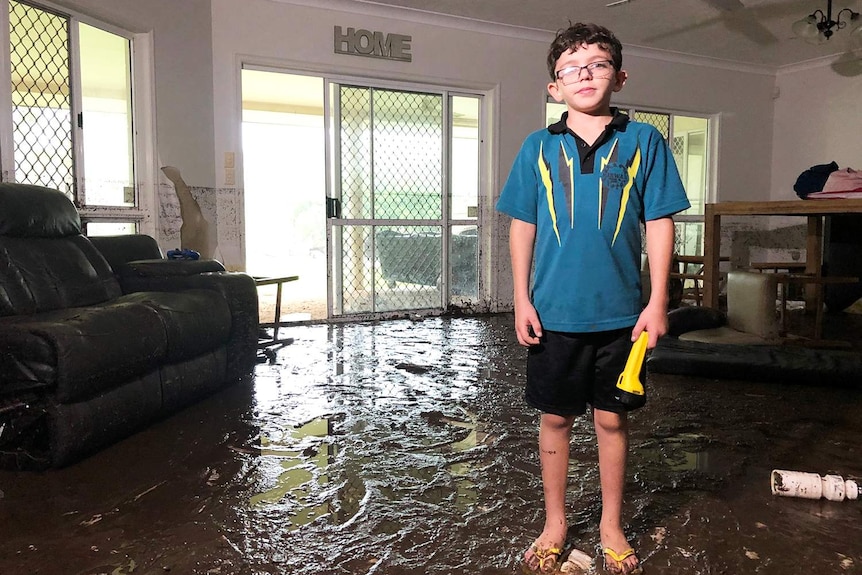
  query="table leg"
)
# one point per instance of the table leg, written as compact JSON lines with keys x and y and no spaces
{"x":277,"y":310}
{"x":818,"y":312}
{"x":711,"y":256}
{"x":814,"y":260}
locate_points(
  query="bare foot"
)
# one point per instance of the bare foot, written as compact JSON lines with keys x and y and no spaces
{"x":543,"y":556}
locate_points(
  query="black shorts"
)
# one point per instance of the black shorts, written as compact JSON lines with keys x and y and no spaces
{"x":567,"y":371}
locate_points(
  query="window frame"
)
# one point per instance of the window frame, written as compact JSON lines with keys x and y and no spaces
{"x":145,"y":175}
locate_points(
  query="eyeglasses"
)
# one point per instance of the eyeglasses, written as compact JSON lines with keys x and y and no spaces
{"x":600,"y":70}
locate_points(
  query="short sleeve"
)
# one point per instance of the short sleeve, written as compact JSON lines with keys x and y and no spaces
{"x":664,"y":194}
{"x":518,"y":197}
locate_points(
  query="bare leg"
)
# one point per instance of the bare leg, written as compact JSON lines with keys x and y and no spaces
{"x":612,"y":436}
{"x":554,"y":435}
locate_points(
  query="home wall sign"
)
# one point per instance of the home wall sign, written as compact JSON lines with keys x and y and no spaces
{"x":373,"y":44}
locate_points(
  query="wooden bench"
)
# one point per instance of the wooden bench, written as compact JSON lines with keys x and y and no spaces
{"x":681,"y":270}
{"x":775,"y":267}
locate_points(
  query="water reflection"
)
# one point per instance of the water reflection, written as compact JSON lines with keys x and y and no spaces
{"x":683,"y":452}
{"x":300,"y":471}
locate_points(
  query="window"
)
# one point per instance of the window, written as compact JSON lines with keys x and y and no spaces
{"x":688,"y":137}
{"x":68,"y":107}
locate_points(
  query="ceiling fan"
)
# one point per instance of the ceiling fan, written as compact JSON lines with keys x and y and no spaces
{"x":735,"y":15}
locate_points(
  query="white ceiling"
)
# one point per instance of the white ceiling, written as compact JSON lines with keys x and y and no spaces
{"x":755,"y":32}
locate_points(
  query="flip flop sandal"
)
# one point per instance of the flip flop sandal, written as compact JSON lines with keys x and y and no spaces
{"x":550,"y":555}
{"x":618,"y":558}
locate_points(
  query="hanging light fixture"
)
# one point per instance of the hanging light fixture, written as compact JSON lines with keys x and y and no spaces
{"x":817,"y":27}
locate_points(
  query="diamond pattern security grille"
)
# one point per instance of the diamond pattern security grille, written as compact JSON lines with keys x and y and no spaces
{"x":660,"y":121}
{"x":409,"y":265}
{"x":41,"y":97}
{"x":391,"y":154}
{"x":356,"y":180}
{"x":403,"y":272}
{"x":408,"y":155}
{"x":688,"y":239}
{"x":464,"y":262}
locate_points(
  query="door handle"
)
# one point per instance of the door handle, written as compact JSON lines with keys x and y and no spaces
{"x":333,"y":208}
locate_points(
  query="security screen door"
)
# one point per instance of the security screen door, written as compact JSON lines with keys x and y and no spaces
{"x":394,"y":244}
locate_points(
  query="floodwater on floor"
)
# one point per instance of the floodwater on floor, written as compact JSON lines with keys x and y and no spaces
{"x":405,"y":447}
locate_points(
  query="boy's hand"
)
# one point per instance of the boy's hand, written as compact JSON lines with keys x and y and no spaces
{"x":527,"y":325}
{"x":653,"y":319}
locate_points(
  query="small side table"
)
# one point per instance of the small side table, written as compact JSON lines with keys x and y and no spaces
{"x":279,"y":282}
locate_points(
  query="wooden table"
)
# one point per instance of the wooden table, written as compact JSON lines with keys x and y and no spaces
{"x":814,"y":210}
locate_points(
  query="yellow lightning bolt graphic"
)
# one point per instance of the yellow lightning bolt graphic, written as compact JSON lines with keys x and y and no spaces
{"x":624,"y":200}
{"x":570,"y":164}
{"x":549,"y":191}
{"x":605,"y":161}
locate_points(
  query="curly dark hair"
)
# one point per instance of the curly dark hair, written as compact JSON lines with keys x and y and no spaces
{"x":580,"y":34}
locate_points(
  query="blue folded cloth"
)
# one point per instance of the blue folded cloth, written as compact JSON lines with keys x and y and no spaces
{"x":185,"y":254}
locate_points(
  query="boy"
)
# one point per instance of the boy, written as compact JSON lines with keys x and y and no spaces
{"x":578,"y":194}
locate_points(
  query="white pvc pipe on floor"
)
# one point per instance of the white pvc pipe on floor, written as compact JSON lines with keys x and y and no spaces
{"x":812,"y":485}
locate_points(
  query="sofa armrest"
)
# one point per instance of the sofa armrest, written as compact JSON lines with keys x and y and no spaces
{"x":161,"y":268}
{"x":118,"y":250}
{"x":165,"y":275}
{"x":138,"y":256}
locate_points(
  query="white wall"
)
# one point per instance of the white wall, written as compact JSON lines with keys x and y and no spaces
{"x":818,"y":119}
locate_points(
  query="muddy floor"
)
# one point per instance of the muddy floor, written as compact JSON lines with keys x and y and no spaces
{"x":404,"y":447}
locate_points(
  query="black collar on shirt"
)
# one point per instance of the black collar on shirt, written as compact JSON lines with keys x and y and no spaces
{"x":586,"y":152}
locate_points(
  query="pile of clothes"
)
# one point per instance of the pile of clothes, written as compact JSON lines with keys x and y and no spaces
{"x":825,"y":181}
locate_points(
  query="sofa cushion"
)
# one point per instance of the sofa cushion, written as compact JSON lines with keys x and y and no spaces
{"x":751,"y":315}
{"x":81,"y":351}
{"x":36,"y":212}
{"x":685,"y":319}
{"x":44,"y":274}
{"x":195,"y":321}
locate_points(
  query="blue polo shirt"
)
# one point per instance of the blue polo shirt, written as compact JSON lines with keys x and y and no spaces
{"x":588,"y":206}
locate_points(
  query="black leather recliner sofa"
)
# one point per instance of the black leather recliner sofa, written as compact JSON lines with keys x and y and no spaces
{"x":100,"y":337}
